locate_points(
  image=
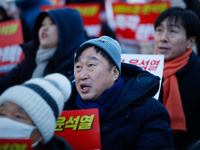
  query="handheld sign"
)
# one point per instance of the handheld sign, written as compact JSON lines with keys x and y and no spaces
{"x":80,"y":128}
{"x":152,"y":63}
{"x":90,"y":13}
{"x":133,"y":23}
{"x":10,"y":52}
{"x":15,"y":144}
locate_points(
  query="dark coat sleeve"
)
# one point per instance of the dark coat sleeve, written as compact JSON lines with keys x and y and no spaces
{"x":156,"y":131}
{"x":12,"y":78}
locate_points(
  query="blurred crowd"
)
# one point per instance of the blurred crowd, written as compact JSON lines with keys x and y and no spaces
{"x":57,"y":47}
{"x":27,"y":11}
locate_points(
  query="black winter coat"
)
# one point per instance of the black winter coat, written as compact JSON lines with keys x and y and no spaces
{"x":137,"y":120}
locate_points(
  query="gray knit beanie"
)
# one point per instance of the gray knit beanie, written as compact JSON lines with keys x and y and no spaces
{"x":42,"y":99}
{"x":110,"y":46}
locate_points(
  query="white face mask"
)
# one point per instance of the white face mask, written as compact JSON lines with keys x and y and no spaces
{"x":11,"y":129}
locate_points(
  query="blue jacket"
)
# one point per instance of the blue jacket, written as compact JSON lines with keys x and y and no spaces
{"x":71,"y":35}
{"x":136,"y":121}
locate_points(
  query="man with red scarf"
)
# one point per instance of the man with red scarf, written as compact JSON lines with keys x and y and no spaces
{"x":176,"y":31}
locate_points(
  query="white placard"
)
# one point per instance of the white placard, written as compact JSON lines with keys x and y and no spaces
{"x":149,"y":62}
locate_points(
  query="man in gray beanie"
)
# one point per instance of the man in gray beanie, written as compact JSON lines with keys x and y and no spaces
{"x":30,"y":110}
{"x":130,"y":118}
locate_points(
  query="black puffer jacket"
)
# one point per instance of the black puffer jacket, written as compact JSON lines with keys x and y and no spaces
{"x":136,"y":121}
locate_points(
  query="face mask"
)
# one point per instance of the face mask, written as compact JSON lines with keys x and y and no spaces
{"x":11,"y":129}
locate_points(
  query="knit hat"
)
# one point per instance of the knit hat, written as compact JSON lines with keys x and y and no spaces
{"x":110,"y":46}
{"x":42,"y":99}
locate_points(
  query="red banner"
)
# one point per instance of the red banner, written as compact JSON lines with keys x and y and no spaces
{"x":11,"y":36}
{"x":80,"y":128}
{"x":90,"y":13}
{"x":136,"y":21}
{"x":15,"y":144}
{"x":11,"y":33}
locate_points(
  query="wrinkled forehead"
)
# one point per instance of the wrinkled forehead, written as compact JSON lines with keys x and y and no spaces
{"x":89,"y":54}
{"x":82,"y":49}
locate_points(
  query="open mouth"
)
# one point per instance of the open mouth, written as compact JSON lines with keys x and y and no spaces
{"x":164,"y":48}
{"x":44,"y":35}
{"x":85,"y":87}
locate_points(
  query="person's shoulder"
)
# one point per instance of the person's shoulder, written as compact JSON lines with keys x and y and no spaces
{"x":29,"y":47}
{"x":154,"y":103}
{"x":198,"y":60}
{"x":155,"y":107}
{"x":149,"y":107}
{"x":194,"y":63}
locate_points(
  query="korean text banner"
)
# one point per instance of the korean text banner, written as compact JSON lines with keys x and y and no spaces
{"x":152,"y":63}
{"x":136,"y":21}
{"x":90,"y":13}
{"x":80,"y":128}
{"x":11,"y":36}
{"x":15,"y":144}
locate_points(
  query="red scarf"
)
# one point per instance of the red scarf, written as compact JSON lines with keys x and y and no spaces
{"x":172,"y":98}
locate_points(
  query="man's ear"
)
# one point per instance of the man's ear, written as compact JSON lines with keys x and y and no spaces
{"x":115,"y":73}
{"x":191,"y":42}
{"x":40,"y":139}
{"x":36,"y":136}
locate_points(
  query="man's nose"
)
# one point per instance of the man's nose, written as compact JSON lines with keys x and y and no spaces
{"x":164,"y":36}
{"x":84,"y":74}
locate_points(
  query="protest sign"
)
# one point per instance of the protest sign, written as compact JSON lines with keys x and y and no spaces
{"x":11,"y":36}
{"x":134,"y":23}
{"x":15,"y":144}
{"x":80,"y":128}
{"x":152,"y":63}
{"x":90,"y":13}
